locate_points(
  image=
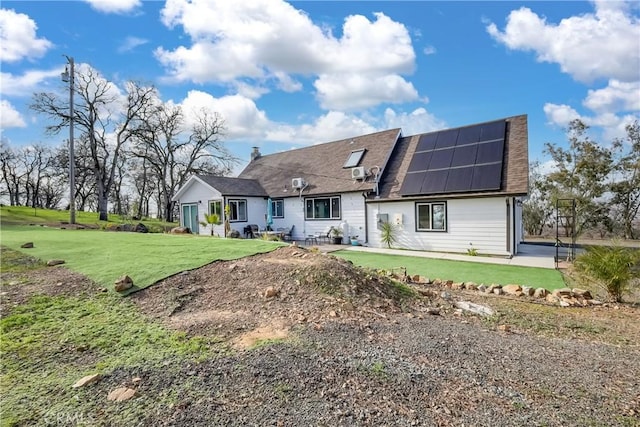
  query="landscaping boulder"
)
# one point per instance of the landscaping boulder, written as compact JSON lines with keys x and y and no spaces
{"x":141,"y":228}
{"x":512,"y":290}
{"x":123,"y":283}
{"x":474,"y":308}
{"x":180,"y":230}
{"x":53,"y":262}
{"x":27,"y":245}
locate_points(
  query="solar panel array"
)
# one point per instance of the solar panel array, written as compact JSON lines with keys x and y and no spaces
{"x":457,"y":160}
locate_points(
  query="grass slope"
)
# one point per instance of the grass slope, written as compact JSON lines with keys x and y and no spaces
{"x":459,"y":271}
{"x":96,"y":335}
{"x":23,"y":215}
{"x":146,"y":258}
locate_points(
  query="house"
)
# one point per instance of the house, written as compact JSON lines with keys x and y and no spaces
{"x":450,"y":190}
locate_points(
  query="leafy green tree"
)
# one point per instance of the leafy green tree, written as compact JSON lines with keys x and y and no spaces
{"x":537,"y":210}
{"x":581,"y":173}
{"x":625,"y":189}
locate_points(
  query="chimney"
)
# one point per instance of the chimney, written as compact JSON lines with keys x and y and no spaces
{"x":255,"y":153}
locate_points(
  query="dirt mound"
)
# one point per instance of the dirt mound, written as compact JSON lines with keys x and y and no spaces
{"x":270,"y":293}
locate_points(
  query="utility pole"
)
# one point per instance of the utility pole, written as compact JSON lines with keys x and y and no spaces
{"x":68,"y":76}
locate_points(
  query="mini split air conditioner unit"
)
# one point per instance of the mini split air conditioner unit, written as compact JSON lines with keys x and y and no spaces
{"x":297,"y":183}
{"x":358,"y":173}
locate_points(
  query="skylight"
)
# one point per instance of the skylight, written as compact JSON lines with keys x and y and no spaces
{"x":354,"y":158}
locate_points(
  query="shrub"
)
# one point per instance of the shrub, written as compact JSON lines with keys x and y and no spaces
{"x":611,"y":267}
{"x":388,"y":234}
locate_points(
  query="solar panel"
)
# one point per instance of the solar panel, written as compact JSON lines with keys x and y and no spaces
{"x":457,"y":160}
{"x":412,"y":183}
{"x":469,"y":135}
{"x":434,"y":181}
{"x":489,"y":152}
{"x":420,"y":161}
{"x":459,"y":179}
{"x":465,"y":155}
{"x":493,"y":130}
{"x":427,"y":142}
{"x":486,"y":177}
{"x":441,"y":159}
{"x":447,"y":138}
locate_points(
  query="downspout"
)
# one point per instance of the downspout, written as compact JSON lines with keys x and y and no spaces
{"x":514,"y":225}
{"x":508,"y":227}
{"x":366,"y":219}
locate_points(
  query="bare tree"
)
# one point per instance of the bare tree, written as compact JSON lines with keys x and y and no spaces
{"x":11,"y":174}
{"x":160,"y":141}
{"x":105,"y":120}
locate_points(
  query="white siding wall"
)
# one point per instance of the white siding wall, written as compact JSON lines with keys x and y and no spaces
{"x":201,"y":195}
{"x":482,"y":222}
{"x":352,"y":212}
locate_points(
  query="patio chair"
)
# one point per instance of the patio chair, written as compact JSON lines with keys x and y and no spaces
{"x":287,"y":235}
{"x":325,"y":236}
{"x":252,"y":231}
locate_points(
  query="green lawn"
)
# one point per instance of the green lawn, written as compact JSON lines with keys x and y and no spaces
{"x":105,"y":256}
{"x":459,"y":271}
{"x":23,"y":215}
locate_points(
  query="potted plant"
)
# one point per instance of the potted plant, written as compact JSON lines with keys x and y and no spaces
{"x":336,"y":236}
{"x":354,"y":240}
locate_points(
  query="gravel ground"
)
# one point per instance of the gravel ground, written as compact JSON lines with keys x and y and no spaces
{"x":346,"y":349}
{"x":403,"y":372}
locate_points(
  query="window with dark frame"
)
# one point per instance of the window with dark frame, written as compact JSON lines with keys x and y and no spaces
{"x":431,"y":216}
{"x":322,"y":208}
{"x":237,"y":210}
{"x":277,"y":208}
{"x":354,"y":158}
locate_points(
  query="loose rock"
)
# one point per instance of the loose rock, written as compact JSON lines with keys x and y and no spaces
{"x":89,"y":379}
{"x":123,"y":283}
{"x":121,"y":394}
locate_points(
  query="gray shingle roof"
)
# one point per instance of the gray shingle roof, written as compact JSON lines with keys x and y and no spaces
{"x":234,"y":186}
{"x":515,"y":167}
{"x":321,"y":165}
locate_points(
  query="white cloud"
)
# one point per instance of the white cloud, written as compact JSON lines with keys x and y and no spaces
{"x":429,"y":50}
{"x":29,"y":82}
{"x":332,"y":126}
{"x":130,"y":43}
{"x":617,"y":96}
{"x":560,"y":115}
{"x":114,"y":6}
{"x":270,"y":40}
{"x":588,"y":47}
{"x":611,"y":125}
{"x":9,"y":116}
{"x":18,"y":38}
{"x":413,"y":123}
{"x":243,"y":119}
{"x":355,"y":91}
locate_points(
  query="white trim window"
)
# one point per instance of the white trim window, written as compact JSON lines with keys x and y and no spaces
{"x":237,"y":210}
{"x":322,"y":208}
{"x":215,"y":207}
{"x":277,"y":208}
{"x":431,"y":216}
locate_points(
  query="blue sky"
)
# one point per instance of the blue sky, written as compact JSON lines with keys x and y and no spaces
{"x":289,"y":74}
